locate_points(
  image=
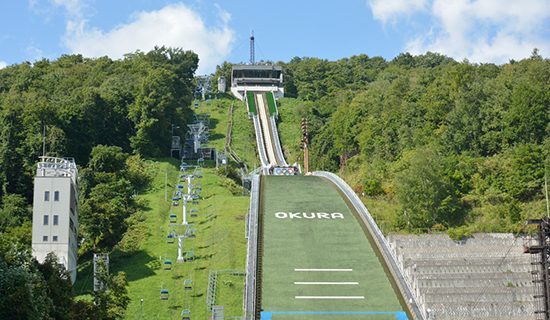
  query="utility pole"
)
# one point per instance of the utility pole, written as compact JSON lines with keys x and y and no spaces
{"x":43,"y":140}
{"x":540,"y":260}
{"x":305,"y":143}
{"x":546,"y":192}
{"x":166,"y":185}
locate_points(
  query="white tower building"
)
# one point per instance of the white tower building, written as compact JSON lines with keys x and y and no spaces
{"x":55,"y":211}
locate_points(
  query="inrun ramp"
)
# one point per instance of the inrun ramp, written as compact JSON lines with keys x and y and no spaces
{"x":317,"y":261}
{"x":262,"y":109}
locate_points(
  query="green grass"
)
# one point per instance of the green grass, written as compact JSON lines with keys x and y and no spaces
{"x":271,"y":103}
{"x":220,"y":238}
{"x":243,"y":139}
{"x":290,"y":132}
{"x":317,"y":243}
{"x":251,"y":102}
{"x":219,"y":244}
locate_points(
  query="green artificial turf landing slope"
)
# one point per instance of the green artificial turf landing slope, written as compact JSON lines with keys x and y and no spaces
{"x":307,"y":225}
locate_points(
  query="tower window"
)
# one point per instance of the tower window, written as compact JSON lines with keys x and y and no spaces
{"x":46,"y":196}
{"x":54,"y":238}
{"x":46,"y":219}
{"x":56,"y":196}
{"x":55,"y":219}
{"x":45,"y":238}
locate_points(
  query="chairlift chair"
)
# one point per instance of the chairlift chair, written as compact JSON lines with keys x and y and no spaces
{"x":186,"y":314}
{"x":189,"y":255}
{"x":167,"y":264}
{"x":164,"y":294}
{"x":170,"y":238}
{"x":173,"y":217}
{"x":188,"y":284}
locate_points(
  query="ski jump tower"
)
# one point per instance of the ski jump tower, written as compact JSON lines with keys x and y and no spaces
{"x":256,"y":78}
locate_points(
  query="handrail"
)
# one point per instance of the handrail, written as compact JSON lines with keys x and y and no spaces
{"x":379,"y":239}
{"x":252,"y":251}
{"x":260,"y":142}
{"x":278,"y":150}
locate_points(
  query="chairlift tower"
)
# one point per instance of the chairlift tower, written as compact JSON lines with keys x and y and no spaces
{"x":199,"y":131}
{"x":186,"y":199}
{"x":101,"y":268}
{"x":186,"y":233}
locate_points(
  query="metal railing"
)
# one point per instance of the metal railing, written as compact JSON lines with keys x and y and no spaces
{"x":379,"y":239}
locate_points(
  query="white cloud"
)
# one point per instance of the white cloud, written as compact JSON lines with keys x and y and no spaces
{"x":174,"y":25}
{"x":483,"y":30}
{"x":74,"y":8}
{"x":387,"y":10}
{"x":3,"y":64}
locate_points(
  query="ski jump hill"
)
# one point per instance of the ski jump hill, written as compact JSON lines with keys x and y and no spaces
{"x":314,"y":251}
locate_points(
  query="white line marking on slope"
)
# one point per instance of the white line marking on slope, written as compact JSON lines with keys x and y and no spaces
{"x":331,"y":297}
{"x":327,"y":283}
{"x":323,"y":270}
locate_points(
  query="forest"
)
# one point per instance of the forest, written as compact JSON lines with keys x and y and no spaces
{"x":109,"y":115}
{"x":432,"y":143}
{"x":436,"y":143}
{"x":446,"y":144}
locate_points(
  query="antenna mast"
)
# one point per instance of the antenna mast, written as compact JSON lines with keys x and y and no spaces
{"x":43,"y":140}
{"x":252,"y":55}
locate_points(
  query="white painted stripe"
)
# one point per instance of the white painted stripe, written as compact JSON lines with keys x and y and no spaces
{"x":328,"y":283}
{"x":331,"y":297}
{"x":324,"y":270}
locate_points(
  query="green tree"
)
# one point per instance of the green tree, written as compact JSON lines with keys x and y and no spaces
{"x":424,"y":192}
{"x":14,"y":211}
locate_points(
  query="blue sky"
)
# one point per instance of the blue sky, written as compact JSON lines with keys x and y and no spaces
{"x":477,"y":30}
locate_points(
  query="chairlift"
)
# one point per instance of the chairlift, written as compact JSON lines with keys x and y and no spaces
{"x":195,"y":202}
{"x":189,"y":255}
{"x":180,"y":186}
{"x":164,"y":294}
{"x":167,"y":264}
{"x":173,"y":218}
{"x":188,"y":284}
{"x":176,"y":198}
{"x":186,"y":314}
{"x":195,"y":196}
{"x":175,"y":203}
{"x":170,"y":238}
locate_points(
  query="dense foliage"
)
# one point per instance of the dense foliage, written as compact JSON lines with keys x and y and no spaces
{"x":108,"y":115}
{"x":448,"y":142}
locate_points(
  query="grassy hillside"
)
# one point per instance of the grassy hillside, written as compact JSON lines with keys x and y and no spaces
{"x":291,"y":112}
{"x":243,"y":140}
{"x":219,"y":244}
